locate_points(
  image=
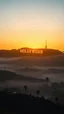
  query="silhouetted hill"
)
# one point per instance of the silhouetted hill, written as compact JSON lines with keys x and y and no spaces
{"x":46,"y":52}
{"x":17,"y":53}
{"x":8,"y":75}
{"x":9,"y":53}
{"x":49,"y":52}
{"x":26,"y":104}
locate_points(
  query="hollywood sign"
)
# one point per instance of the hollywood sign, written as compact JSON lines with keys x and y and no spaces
{"x":31,"y":51}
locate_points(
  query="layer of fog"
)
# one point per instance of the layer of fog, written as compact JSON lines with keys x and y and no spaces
{"x":38,"y":67}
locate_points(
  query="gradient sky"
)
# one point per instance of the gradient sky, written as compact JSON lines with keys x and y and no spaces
{"x":28,"y":23}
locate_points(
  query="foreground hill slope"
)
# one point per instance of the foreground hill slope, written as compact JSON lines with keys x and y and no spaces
{"x":20,"y":103}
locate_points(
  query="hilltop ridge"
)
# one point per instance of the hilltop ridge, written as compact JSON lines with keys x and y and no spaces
{"x":29,"y":52}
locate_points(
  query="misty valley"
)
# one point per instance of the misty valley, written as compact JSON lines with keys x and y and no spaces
{"x":31,"y":56}
{"x":33,"y":72}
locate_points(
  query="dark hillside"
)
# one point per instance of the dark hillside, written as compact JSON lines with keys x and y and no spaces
{"x":17,"y":53}
{"x":8,"y":75}
{"x":26,"y":104}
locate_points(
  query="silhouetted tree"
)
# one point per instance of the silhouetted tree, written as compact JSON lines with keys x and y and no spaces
{"x":47,"y":80}
{"x":57,"y":100}
{"x":25,"y":88}
{"x":38,"y":92}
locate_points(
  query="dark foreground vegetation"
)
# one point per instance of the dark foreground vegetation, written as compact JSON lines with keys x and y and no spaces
{"x":47,"y":87}
{"x":15,"y":103}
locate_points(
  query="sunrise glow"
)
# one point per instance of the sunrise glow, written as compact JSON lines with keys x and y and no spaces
{"x":28,"y":23}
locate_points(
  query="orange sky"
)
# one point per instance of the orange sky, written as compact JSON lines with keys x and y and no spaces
{"x":31,"y":23}
{"x":31,"y":38}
